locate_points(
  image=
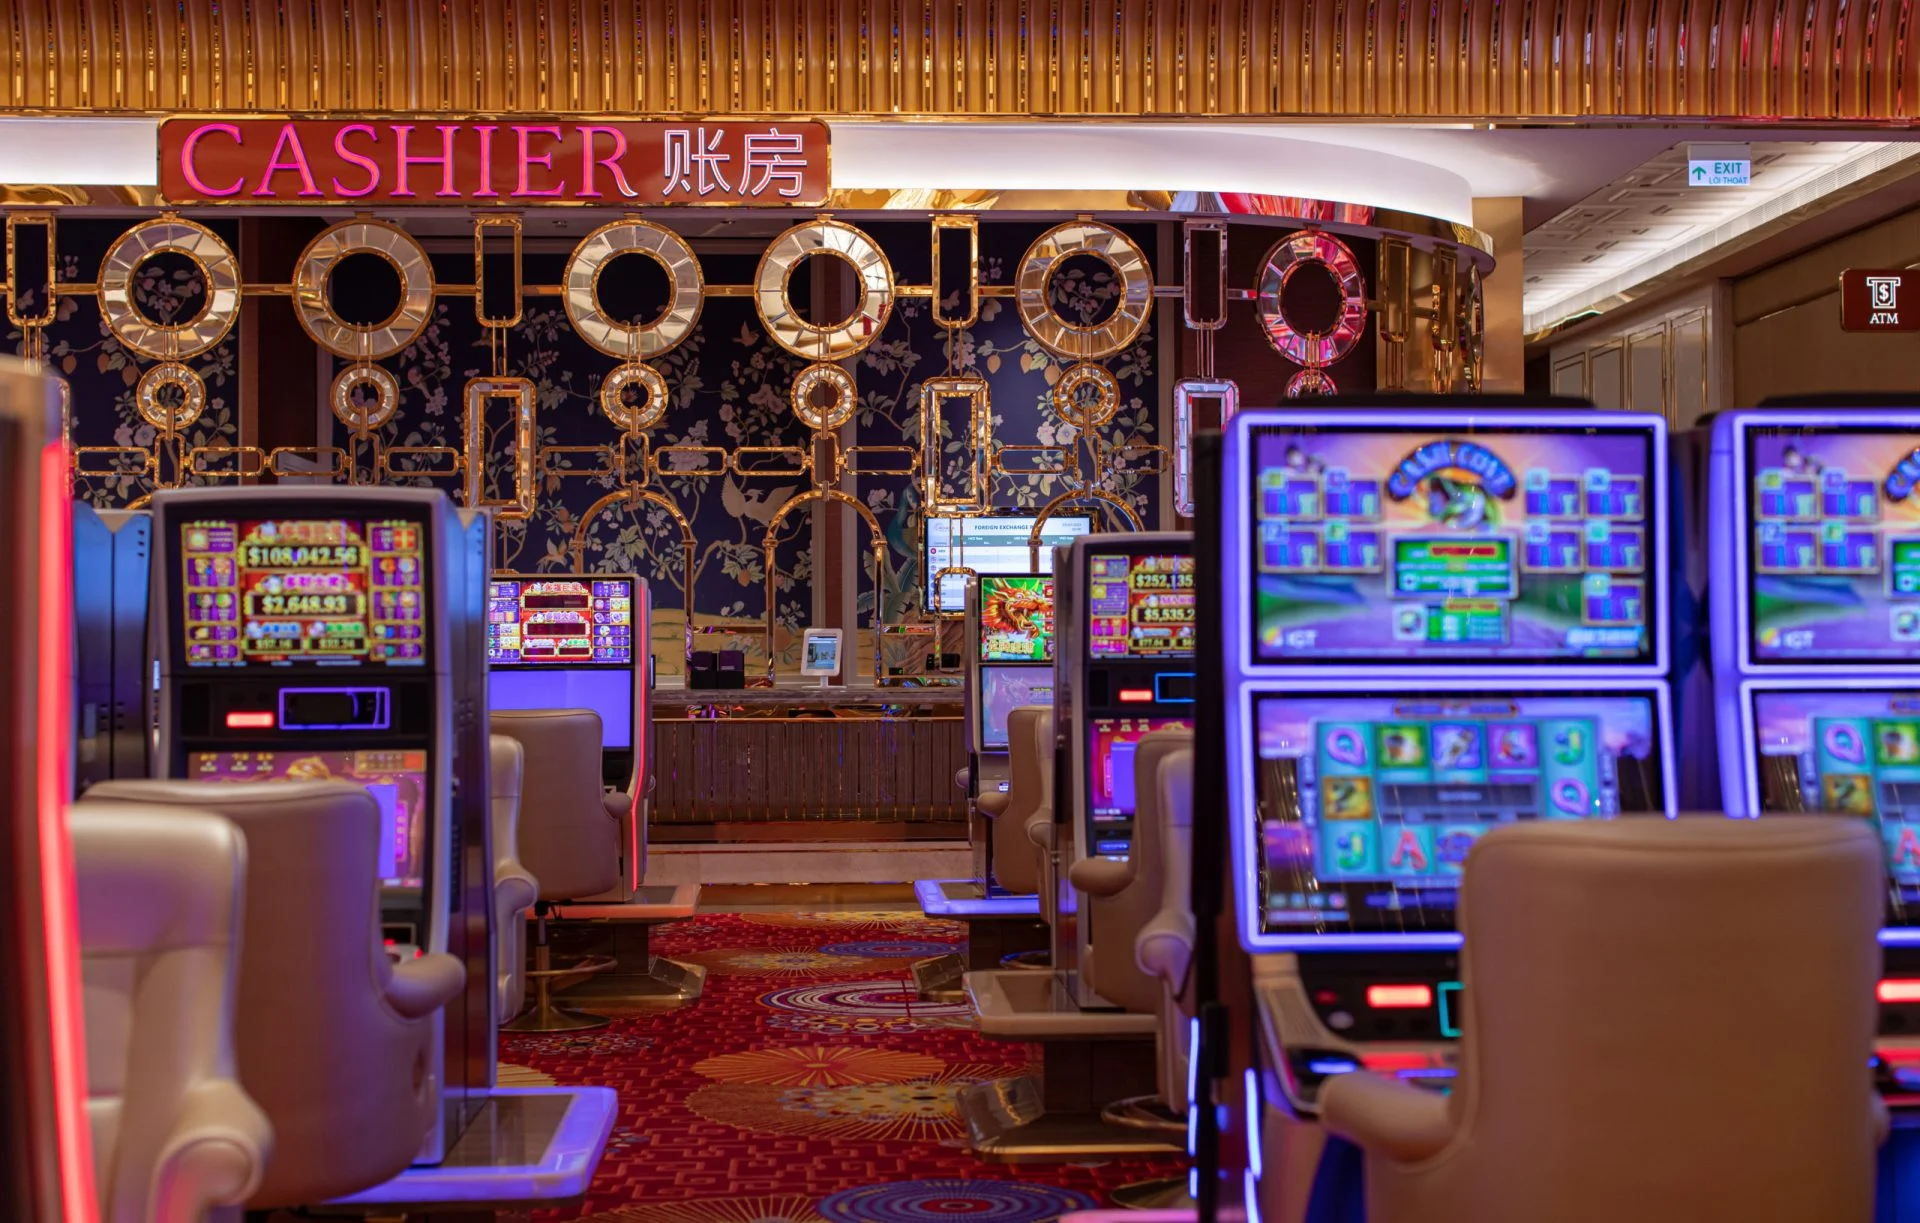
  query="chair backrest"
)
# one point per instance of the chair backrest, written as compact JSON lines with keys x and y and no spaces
{"x":1115,"y":920}
{"x":1175,"y":786}
{"x":1048,"y":842}
{"x":514,"y":887}
{"x":1672,"y":1012}
{"x":1015,"y":863}
{"x":568,"y":839}
{"x":343,"y":1077}
{"x":160,"y":900}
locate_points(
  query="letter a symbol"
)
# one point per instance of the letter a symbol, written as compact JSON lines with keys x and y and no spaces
{"x":1408,"y":852}
{"x":1909,"y":852}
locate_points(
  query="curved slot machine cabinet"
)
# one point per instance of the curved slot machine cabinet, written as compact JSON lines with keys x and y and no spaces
{"x":310,"y":636}
{"x":1435,"y":621}
{"x":114,"y":689}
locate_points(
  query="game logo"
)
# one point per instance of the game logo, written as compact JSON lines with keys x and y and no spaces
{"x":396,"y":779}
{"x":576,"y":621}
{"x":1140,"y":606}
{"x":1016,"y":619}
{"x":281,"y":591}
{"x":1382,"y":544}
{"x":1005,"y":689}
{"x":1369,"y":806}
{"x":1833,"y":545}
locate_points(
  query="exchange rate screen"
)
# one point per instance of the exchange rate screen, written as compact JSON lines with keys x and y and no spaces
{"x":1139,"y":606}
{"x":1833,"y":539}
{"x":560,"y":622}
{"x":397,"y":780}
{"x":341,"y":591}
{"x":1367,"y":806}
{"x":1520,"y":545}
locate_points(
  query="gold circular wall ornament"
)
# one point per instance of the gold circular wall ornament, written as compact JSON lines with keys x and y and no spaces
{"x":846,"y":400}
{"x":636,"y":417}
{"x":785,"y":325}
{"x":219,"y":273}
{"x":171,"y":419}
{"x":1033,"y":291}
{"x":360,"y":418}
{"x":1082,"y":414}
{"x":354,"y":341}
{"x":1304,"y":347}
{"x":633,"y":341}
{"x":1311,"y":384}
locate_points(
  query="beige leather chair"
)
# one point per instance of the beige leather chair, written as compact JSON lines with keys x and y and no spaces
{"x":1164,"y":947}
{"x":1015,"y":864}
{"x":1042,"y":833}
{"x":1122,"y":897}
{"x":333,"y":1034}
{"x":161,"y":893}
{"x":1666,"y":1022}
{"x":514,"y":890}
{"x":569,"y":839}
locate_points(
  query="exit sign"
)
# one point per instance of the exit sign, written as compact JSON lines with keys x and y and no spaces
{"x":1719,"y":165}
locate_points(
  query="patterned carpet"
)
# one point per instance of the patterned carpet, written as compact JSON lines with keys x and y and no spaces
{"x":808,"y":1085}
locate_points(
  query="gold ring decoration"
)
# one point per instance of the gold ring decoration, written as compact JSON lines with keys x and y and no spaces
{"x":193,"y":397}
{"x":1033,"y":291}
{"x":211,"y":257}
{"x":352,"y":340}
{"x":846,"y":401}
{"x":794,"y":333}
{"x":360,"y":419}
{"x":1311,"y":349}
{"x":1068,"y":406}
{"x":633,"y":341}
{"x":1311,"y":383}
{"x":634,"y":418}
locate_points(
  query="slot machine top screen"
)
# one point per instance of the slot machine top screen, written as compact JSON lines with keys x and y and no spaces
{"x":1832,"y":544}
{"x":1366,"y":806}
{"x":560,"y":622}
{"x":1503,"y":544}
{"x":1139,"y":606}
{"x":1016,"y":619}
{"x":286,"y":591}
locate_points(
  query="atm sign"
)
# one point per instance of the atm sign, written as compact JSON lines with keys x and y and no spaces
{"x":1880,"y":299}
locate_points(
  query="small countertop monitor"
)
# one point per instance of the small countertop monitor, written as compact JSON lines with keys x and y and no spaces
{"x":566,"y":642}
{"x":820,"y":652}
{"x":989,"y":543}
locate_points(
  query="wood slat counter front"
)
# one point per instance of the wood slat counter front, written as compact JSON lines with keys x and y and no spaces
{"x":846,"y":762}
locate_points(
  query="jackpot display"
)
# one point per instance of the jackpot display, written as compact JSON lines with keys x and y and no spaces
{"x":564,"y":622}
{"x":342,"y":591}
{"x":1833,"y":544}
{"x":397,"y":779}
{"x":1139,"y":606}
{"x":1016,"y":619}
{"x":1005,"y":689}
{"x":1367,"y":806}
{"x":1510,"y":545}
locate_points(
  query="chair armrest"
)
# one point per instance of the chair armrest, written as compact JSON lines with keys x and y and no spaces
{"x":963,"y":780}
{"x":617,"y":802}
{"x":1385,"y":1116}
{"x":1882,"y":1123}
{"x":1164,"y":946}
{"x":421,"y":987}
{"x":1040,"y":828}
{"x":1100,"y":876}
{"x":215,"y":1156}
{"x":994,"y":803}
{"x":514,"y":890}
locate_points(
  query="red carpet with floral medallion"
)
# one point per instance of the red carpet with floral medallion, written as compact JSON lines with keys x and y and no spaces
{"x":807,"y":1085}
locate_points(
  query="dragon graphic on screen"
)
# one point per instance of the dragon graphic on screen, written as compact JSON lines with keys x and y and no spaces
{"x":1016,"y":619}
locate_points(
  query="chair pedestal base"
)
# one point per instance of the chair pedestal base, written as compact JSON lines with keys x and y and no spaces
{"x":637,"y":976}
{"x":1164,"y":1193}
{"x":543,"y":1015}
{"x":939,"y":979}
{"x":1020,"y":1121}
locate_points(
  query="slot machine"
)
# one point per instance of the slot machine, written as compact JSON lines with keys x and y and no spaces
{"x":1125,"y":669}
{"x":1433,"y":622}
{"x":316,"y":634}
{"x":1816,"y":649}
{"x":114,"y":688}
{"x":582,"y":641}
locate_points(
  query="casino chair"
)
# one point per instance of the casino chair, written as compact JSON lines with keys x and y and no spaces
{"x":1664,"y":1021}
{"x":569,"y":839}
{"x":160,"y":898}
{"x":333,"y":1031}
{"x":1015,"y":863}
{"x":514,"y":890}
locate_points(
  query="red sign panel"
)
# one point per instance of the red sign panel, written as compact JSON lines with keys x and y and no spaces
{"x":1880,"y":299}
{"x":480,"y":162}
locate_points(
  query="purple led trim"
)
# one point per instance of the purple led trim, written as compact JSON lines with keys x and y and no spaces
{"x":935,"y":902}
{"x":382,"y":703}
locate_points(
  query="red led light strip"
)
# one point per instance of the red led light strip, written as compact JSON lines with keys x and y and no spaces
{"x":1898,"y":991}
{"x":241,"y":719}
{"x":1393,"y":997}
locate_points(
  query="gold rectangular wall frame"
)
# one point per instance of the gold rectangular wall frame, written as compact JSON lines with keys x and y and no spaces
{"x":850,"y":461}
{"x":977,"y":494}
{"x":519,"y":394}
{"x":1204,"y":276}
{"x":943,"y":225}
{"x":481,"y":224}
{"x":17,"y":221}
{"x":602,"y":468}
{"x":1191,"y":397}
{"x":800,"y":462}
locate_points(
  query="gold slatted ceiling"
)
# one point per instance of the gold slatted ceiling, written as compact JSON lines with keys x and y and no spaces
{"x":1455,"y":59}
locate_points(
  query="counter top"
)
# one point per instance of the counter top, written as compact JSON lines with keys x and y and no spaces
{"x":670,"y":700}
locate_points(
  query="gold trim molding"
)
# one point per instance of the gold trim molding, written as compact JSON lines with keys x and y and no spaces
{"x":1794,"y":60}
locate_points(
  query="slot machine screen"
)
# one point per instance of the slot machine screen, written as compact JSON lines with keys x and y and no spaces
{"x":285,"y":591}
{"x":1016,"y":619}
{"x":397,"y":779}
{"x":1110,"y":785}
{"x":563,"y":622}
{"x":1139,"y":607}
{"x":1848,"y":752}
{"x":989,"y":543}
{"x":1833,"y":545}
{"x":1366,"y":806}
{"x":1005,"y":689}
{"x":1500,"y":545}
